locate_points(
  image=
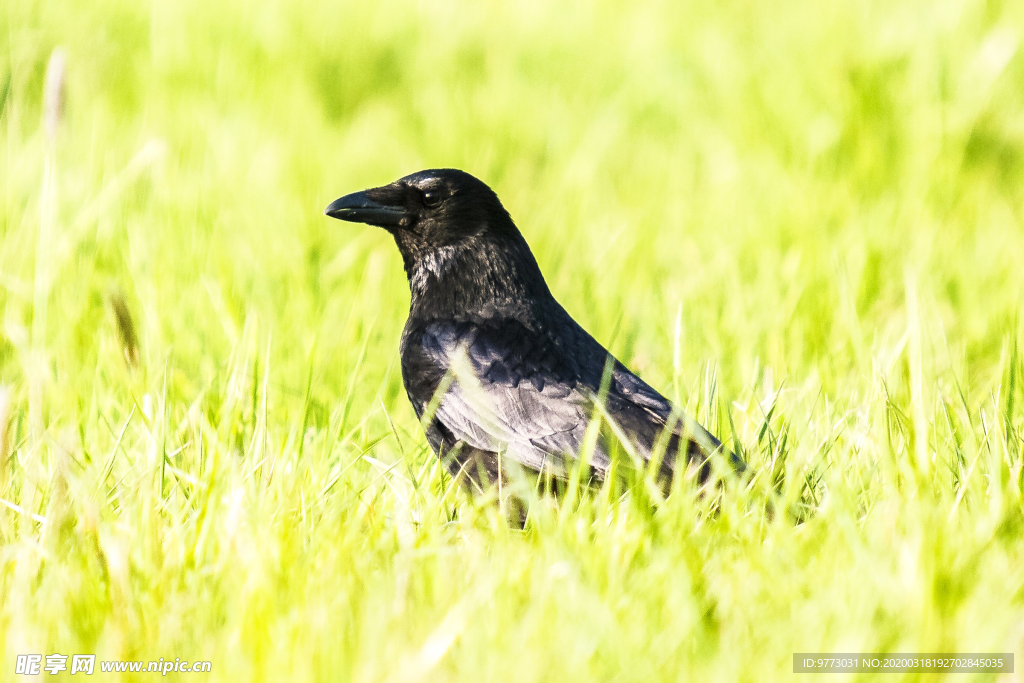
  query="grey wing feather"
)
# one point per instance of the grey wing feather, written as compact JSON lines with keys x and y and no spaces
{"x":512,"y":392}
{"x":507,"y":402}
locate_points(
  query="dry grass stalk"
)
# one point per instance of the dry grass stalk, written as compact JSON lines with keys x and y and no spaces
{"x":125,"y":328}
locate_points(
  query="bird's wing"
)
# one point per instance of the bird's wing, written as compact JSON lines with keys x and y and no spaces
{"x":507,"y":391}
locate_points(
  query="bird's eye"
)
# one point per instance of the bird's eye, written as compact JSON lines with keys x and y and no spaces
{"x":431,"y":198}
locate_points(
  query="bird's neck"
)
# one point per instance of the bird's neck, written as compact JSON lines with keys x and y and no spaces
{"x":475,"y":277}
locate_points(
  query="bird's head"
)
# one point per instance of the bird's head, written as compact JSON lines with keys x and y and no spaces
{"x":429,"y":209}
{"x":459,"y":246}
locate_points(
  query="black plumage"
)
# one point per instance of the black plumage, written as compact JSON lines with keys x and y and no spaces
{"x":513,"y":374}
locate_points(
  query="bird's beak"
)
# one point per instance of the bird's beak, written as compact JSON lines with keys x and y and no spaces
{"x":359,"y":207}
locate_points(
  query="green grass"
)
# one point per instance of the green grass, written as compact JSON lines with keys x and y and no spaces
{"x":802,"y":221}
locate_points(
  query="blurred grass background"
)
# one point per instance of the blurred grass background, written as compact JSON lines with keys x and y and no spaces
{"x":802,"y":221}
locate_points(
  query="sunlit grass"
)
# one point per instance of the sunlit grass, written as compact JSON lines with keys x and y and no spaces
{"x":802,"y":222}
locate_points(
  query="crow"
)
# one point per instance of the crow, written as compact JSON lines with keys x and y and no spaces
{"x":498,"y":372}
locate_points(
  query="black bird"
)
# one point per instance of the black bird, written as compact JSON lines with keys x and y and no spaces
{"x":513,"y":373}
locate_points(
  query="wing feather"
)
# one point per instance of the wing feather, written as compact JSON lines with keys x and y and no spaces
{"x":514,"y":392}
{"x":506,"y":395}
